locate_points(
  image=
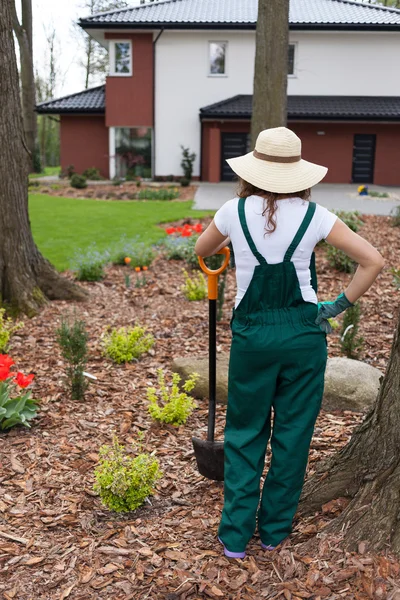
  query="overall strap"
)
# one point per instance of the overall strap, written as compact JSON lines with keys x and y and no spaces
{"x":246,"y":232}
{"x":301,"y":231}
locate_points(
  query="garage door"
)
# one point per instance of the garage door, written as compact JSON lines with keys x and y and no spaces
{"x":233,"y":144}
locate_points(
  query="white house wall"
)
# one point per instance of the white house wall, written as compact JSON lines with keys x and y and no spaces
{"x":327,"y":63}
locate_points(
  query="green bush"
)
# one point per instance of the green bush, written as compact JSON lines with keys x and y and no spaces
{"x":124,"y":482}
{"x":7,"y":329}
{"x":78,"y":181}
{"x":93,"y":174}
{"x":181,"y":248}
{"x":396,"y":217}
{"x":140,"y":253}
{"x":194,"y":288}
{"x":89,"y":265}
{"x":162,"y":194}
{"x":353,"y":220}
{"x":176,"y":406}
{"x":127,"y":343}
{"x":185,"y":182}
{"x":350,"y":342}
{"x":117,"y":181}
{"x":339,"y":260}
{"x":73,"y":339}
{"x":187,"y":163}
{"x":375,"y":194}
{"x":67,"y":172}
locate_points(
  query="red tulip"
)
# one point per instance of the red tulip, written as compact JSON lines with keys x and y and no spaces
{"x":186,"y":233}
{"x":198,"y":228}
{"x":4,"y":372}
{"x":6,"y":361}
{"x":23,"y":381}
{"x":170,"y":230}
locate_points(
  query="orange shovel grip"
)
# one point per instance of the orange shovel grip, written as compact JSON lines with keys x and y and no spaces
{"x":213,"y":275}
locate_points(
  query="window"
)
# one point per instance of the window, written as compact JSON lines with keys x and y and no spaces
{"x":131,"y":152}
{"x":292,"y":56}
{"x":217,"y":58}
{"x":121,"y":58}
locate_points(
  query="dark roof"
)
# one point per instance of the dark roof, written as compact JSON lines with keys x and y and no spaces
{"x":90,"y":101}
{"x":355,"y":108}
{"x":242,"y":14}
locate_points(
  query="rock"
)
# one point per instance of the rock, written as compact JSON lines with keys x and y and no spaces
{"x":187,"y":365}
{"x":350,"y":385}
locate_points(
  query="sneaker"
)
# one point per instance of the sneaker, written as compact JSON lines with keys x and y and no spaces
{"x":232,"y":554}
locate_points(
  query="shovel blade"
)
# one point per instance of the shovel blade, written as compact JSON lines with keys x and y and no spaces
{"x":210,"y":458}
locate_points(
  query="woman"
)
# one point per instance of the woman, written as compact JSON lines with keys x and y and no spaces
{"x":279,"y":348}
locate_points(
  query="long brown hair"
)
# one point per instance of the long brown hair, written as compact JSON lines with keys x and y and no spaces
{"x":246,"y":189}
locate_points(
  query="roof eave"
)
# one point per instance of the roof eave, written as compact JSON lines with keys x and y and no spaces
{"x":294,"y":117}
{"x":241,"y":26}
{"x":53,"y":111}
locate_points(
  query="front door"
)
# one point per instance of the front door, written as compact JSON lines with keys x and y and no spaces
{"x":233,"y":144}
{"x":364,"y":158}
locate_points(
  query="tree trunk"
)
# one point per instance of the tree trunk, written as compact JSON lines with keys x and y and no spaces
{"x":26,"y":278}
{"x":367,"y":471}
{"x":23,"y":32}
{"x":271,"y":66}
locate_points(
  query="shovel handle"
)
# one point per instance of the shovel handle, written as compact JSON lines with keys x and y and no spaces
{"x":213,"y":274}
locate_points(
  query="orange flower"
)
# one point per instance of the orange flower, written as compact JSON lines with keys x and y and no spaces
{"x":145,"y":268}
{"x":137,"y":269}
{"x":127,"y":260}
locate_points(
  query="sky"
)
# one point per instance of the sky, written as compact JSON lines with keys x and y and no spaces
{"x":60,"y":14}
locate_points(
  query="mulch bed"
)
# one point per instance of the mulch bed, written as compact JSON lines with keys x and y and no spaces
{"x":56,"y":539}
{"x":103,"y":191}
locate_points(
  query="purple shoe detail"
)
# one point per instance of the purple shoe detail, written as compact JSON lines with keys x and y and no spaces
{"x":232,"y":554}
{"x":264,"y":547}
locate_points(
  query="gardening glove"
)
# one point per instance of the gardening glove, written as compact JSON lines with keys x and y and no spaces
{"x":328,"y":310}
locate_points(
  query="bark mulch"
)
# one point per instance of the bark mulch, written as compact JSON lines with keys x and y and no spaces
{"x":56,"y":539}
{"x":108,"y":191}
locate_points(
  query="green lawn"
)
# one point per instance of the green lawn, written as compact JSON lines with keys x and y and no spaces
{"x":47,"y":171}
{"x":63,"y":225}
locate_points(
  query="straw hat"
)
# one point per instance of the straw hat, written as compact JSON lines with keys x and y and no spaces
{"x":276,"y":164}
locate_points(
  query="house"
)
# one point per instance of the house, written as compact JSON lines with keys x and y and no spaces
{"x":181,"y":73}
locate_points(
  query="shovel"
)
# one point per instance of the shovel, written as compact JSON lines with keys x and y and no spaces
{"x":210,"y":454}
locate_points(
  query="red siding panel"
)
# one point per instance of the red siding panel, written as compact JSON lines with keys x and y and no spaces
{"x":130,"y":100}
{"x":84,"y":143}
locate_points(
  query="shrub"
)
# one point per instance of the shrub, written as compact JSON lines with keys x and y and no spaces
{"x":195,"y":288}
{"x":127,"y":343}
{"x":7,"y":329}
{"x":89,"y":265}
{"x":375,"y":194}
{"x":187,"y":163}
{"x":181,"y":249}
{"x":163,"y":194}
{"x":124,"y":482}
{"x":339,"y":260}
{"x":78,"y":181}
{"x":140,"y":254}
{"x":117,"y":181}
{"x":396,"y":217}
{"x":73,"y":338}
{"x":185,"y":182}
{"x":16,"y":405}
{"x":93,"y":174}
{"x":350,"y":342}
{"x":351,"y":219}
{"x":177,"y":406}
{"x":67,"y":172}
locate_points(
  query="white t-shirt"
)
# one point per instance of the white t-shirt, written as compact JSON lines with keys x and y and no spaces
{"x":273,"y":246}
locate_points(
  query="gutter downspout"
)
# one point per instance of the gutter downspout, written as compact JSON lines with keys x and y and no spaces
{"x":154,"y":100}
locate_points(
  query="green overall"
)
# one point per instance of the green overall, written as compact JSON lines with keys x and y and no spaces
{"x":278,"y":359}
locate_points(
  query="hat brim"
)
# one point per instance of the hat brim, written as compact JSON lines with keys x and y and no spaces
{"x":279,"y":178}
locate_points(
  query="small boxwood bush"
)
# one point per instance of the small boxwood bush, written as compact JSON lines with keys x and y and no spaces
{"x":124,"y":482}
{"x":127,"y":343}
{"x":78,"y":181}
{"x":177,"y":405}
{"x":88,"y":265}
{"x":93,"y":174}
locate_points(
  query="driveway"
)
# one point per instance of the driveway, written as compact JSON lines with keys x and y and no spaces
{"x":211,"y":196}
